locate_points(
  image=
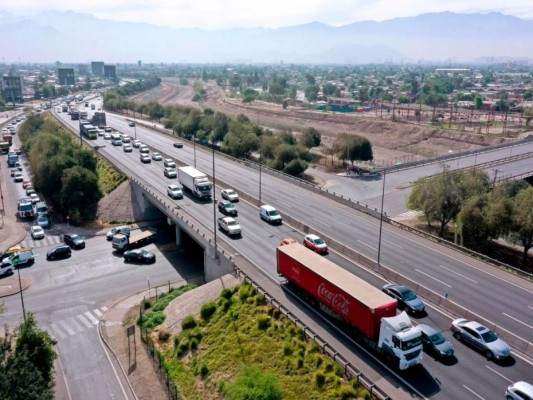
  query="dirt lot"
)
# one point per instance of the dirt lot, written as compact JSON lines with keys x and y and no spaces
{"x":391,"y":140}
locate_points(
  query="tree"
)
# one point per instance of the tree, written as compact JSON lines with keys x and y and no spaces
{"x":79,"y":192}
{"x":26,"y":366}
{"x":353,"y":147}
{"x":249,"y":95}
{"x":240,"y":142}
{"x":276,"y":88}
{"x":310,"y":137}
{"x":295,"y":167}
{"x":478,"y":102}
{"x":329,"y":89}
{"x":474,"y":222}
{"x":311,"y":92}
{"x":522,"y":221}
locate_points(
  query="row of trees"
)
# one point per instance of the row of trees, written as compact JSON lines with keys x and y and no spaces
{"x":479,"y":211}
{"x":63,"y":171}
{"x":27,"y":363}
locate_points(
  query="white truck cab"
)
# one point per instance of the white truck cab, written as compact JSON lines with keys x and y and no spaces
{"x":400,"y":342}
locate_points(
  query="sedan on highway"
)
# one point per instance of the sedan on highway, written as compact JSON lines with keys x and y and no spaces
{"x":178,"y":145}
{"x":145,"y":159}
{"x":74,"y":240}
{"x":227,"y":208}
{"x":59,"y":252}
{"x":37,"y":232}
{"x":481,"y":338}
{"x":174,"y":191}
{"x":107,"y":136}
{"x":434,"y":342}
{"x":127,"y":148}
{"x":136,"y":143}
{"x":18,"y":177}
{"x":131,"y":124}
{"x":229,"y":194}
{"x":407,"y":299}
{"x":139,"y":255}
{"x":156,"y":157}
{"x":170,"y":173}
{"x":316,"y":244}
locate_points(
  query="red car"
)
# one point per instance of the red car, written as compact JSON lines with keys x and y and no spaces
{"x":316,"y":244}
{"x":25,"y":184}
{"x":17,"y":151}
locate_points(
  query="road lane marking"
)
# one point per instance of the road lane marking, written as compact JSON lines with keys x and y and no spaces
{"x":104,"y":308}
{"x":457,"y":273}
{"x":530,"y":307}
{"x":497,"y":373}
{"x":322,"y":222}
{"x":65,"y":326}
{"x":373,"y":248}
{"x":84,"y":321}
{"x":394,"y":244}
{"x":97,"y":312}
{"x":474,"y":393}
{"x":75,"y":325}
{"x":91,"y":318}
{"x":285,"y":204}
{"x":432,"y":277}
{"x":56,"y":329}
{"x":517,"y":320}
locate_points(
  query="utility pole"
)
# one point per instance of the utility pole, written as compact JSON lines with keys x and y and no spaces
{"x":381,"y":217}
{"x":494,"y":180}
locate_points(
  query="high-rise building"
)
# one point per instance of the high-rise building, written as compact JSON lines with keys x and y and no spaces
{"x":110,"y":72}
{"x":139,"y":63}
{"x":66,"y":76}
{"x":97,"y":68}
{"x":12,"y":89}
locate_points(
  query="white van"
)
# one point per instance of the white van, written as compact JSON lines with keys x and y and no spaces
{"x":19,"y":258}
{"x":270,"y":214}
{"x":116,"y":139}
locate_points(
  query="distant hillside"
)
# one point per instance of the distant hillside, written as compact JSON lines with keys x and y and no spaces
{"x":72,"y":37}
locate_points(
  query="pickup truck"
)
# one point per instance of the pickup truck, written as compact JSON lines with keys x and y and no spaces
{"x":230,"y":226}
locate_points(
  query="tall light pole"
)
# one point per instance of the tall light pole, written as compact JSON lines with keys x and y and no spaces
{"x":134,"y":123}
{"x":21,"y":296}
{"x":381,"y":216}
{"x":260,"y":162}
{"x":194,"y":145}
{"x":214,"y":202}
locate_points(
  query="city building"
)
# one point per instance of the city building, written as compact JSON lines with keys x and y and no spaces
{"x":66,"y":76}
{"x":12,"y":89}
{"x":110,"y":72}
{"x":97,"y":68}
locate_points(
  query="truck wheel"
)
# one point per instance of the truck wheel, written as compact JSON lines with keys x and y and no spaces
{"x":388,"y":359}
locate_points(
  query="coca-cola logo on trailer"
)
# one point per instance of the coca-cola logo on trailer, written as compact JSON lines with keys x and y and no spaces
{"x":338,"y":302}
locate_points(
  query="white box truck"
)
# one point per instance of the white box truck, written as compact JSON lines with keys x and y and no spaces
{"x":195,"y":181}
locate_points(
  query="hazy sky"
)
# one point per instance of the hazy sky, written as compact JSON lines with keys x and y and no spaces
{"x":222,"y":14}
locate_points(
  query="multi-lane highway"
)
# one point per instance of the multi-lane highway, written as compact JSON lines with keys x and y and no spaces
{"x":497,"y":296}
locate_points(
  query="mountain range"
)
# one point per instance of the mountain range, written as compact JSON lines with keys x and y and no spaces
{"x":440,"y":37}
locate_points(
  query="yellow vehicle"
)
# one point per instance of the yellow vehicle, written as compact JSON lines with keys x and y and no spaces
{"x":15,"y":249}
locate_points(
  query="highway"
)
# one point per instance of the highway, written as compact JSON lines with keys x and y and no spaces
{"x":467,"y":281}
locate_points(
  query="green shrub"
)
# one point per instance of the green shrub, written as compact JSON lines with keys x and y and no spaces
{"x":204,"y":370}
{"x":252,"y":383}
{"x":287,"y":349}
{"x":329,"y":367}
{"x":225,"y":304}
{"x":147,"y":304}
{"x":276,"y":313}
{"x":259,"y":299}
{"x":226,"y":293}
{"x":207,"y":310}
{"x":346,"y":393}
{"x":300,"y":362}
{"x":153,"y":319}
{"x":182,"y":349}
{"x":320,"y":379}
{"x":176,"y":340}
{"x":263,"y":322}
{"x":193,"y":344}
{"x":196,"y":333}
{"x":188,"y":323}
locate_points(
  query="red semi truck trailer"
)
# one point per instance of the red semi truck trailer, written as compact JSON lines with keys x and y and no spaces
{"x":344,"y":296}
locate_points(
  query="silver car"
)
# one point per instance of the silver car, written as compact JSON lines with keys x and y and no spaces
{"x":480,"y":337}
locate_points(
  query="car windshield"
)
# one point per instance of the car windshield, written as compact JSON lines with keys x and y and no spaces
{"x":437,"y":338}
{"x":409,"y":344}
{"x":408,"y":295}
{"x":232,"y":223}
{"x":230,"y":192}
{"x":75,"y":237}
{"x":229,"y":206}
{"x":489,"y":337}
{"x":272,"y":213}
{"x":318,"y":241}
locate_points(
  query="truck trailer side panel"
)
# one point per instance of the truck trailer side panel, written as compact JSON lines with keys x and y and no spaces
{"x":354,"y":300}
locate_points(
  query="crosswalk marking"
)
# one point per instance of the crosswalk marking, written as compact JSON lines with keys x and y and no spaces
{"x":49,"y":240}
{"x":57,"y":330}
{"x":84,"y":321}
{"x":90,"y":316}
{"x":73,"y":325}
{"x":410,"y":214}
{"x":66,"y":327}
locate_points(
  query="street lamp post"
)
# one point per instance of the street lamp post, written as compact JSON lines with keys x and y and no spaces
{"x":21,"y":296}
{"x":381,"y":216}
{"x":260,"y":162}
{"x":214,"y":204}
{"x":134,"y":124}
{"x":194,"y":146}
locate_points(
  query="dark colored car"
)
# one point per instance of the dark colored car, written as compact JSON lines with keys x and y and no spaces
{"x":407,"y":299}
{"x":227,"y":208}
{"x":178,"y":145}
{"x":139,"y":255}
{"x":59,"y":252}
{"x":434,"y":342}
{"x":74,"y":240}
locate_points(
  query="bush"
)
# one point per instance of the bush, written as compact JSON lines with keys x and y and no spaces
{"x":188,"y":323}
{"x":147,"y":304}
{"x":346,"y":393}
{"x":208,"y":309}
{"x":226,"y":293}
{"x":163,"y":335}
{"x":182,"y":349}
{"x":263,"y":322}
{"x":287,"y":349}
{"x":204,"y":370}
{"x":225,"y":304}
{"x":259,"y":299}
{"x":176,"y":340}
{"x":320,"y":379}
{"x":276,"y":313}
{"x":253,"y":383}
{"x":193,"y":344}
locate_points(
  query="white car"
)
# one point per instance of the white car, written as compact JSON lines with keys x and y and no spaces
{"x":136,"y":143}
{"x":229,"y":194}
{"x":34,"y":198}
{"x":143,"y":149}
{"x":107,"y":136}
{"x":37,"y":232}
{"x":101,"y":132}
{"x":126,"y":139}
{"x":230,"y":226}
{"x":174,"y":191}
{"x":127,"y":148}
{"x":170,"y":173}
{"x":156,"y":157}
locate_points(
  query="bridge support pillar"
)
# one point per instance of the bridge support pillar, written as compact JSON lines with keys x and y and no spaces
{"x":178,"y":235}
{"x":215,"y":267}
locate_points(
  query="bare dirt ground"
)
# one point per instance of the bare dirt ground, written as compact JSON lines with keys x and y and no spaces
{"x":390,"y":140}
